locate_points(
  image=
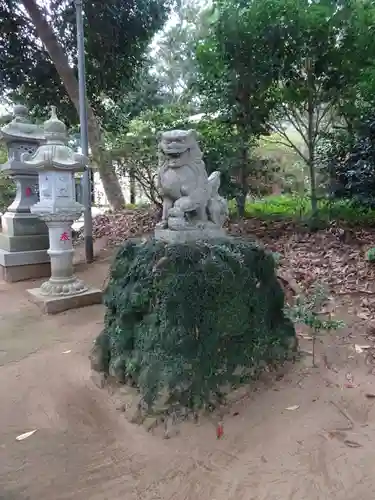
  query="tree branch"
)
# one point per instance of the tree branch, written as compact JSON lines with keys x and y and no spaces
{"x":295,"y":121}
{"x":289,"y":143}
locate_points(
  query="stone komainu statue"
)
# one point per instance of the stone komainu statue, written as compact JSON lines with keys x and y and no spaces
{"x":191,"y":199}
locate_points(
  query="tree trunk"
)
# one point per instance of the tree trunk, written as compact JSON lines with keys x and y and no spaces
{"x":243,"y":187}
{"x":311,"y":138}
{"x":243,"y":177}
{"x":241,"y":205}
{"x":132,"y":186}
{"x":101,"y":157}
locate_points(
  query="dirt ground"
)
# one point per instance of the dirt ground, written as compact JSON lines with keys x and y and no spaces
{"x":322,"y":447}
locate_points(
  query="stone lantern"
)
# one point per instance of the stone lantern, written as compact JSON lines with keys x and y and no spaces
{"x":24,"y":237}
{"x":56,"y":164}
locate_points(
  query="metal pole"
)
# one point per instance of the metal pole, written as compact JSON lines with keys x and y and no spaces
{"x":86,"y":185}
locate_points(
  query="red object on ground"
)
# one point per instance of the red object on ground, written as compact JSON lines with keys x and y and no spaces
{"x":28,"y":191}
{"x":219,"y":431}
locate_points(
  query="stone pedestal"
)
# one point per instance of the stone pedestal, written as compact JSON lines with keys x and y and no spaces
{"x":56,"y":163}
{"x":63,"y":290}
{"x":22,"y":266}
{"x":24,"y":237}
{"x":55,"y":304}
{"x":187,"y":235}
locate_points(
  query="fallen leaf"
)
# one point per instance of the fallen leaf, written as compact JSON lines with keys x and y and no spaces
{"x":306,"y":353}
{"x":219,"y":431}
{"x":337,"y":434}
{"x":363,"y":315}
{"x":21,"y":437}
{"x":119,"y":226}
{"x":292,"y":408}
{"x":352,"y":444}
{"x":307,"y":257}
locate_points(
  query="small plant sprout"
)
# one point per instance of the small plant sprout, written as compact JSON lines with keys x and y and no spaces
{"x":370,"y":255}
{"x":307,"y":310}
{"x":277,"y":258}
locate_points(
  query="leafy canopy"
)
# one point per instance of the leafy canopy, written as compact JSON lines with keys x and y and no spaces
{"x":117,"y":33}
{"x":241,"y":58}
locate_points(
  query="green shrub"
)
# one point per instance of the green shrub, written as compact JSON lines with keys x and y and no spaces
{"x":370,"y":255}
{"x":187,"y":319}
{"x":348,"y":159}
{"x":308,"y":311}
{"x":298,"y":207}
{"x":7,"y":191}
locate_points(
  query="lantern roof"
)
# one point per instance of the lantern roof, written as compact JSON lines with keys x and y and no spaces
{"x":55,"y":154}
{"x":55,"y":129}
{"x":20,"y":129}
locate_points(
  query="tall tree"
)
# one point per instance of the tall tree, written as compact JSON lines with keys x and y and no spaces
{"x":115,"y":44}
{"x":144,"y":94}
{"x":239,"y":61}
{"x":173,"y":51}
{"x":135,"y":149}
{"x":332,"y":49}
{"x":266,"y":64}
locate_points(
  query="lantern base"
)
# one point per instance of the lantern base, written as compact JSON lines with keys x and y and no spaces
{"x":23,"y":243}
{"x":22,"y":224}
{"x":57,"y":304}
{"x":63,"y":287}
{"x":23,"y":232}
{"x":22,"y":266}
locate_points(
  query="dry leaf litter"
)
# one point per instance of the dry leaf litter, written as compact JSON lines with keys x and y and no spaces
{"x":306,"y":257}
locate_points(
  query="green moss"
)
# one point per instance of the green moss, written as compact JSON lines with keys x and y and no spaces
{"x":190,"y":318}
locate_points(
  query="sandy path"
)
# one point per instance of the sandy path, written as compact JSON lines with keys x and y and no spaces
{"x":84,"y":449}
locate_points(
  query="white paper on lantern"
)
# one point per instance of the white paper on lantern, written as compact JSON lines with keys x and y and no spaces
{"x":63,"y":185}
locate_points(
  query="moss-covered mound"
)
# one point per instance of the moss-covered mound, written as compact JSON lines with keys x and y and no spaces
{"x":188,"y":319}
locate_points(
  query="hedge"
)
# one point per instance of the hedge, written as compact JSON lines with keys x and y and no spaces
{"x":189,"y":319}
